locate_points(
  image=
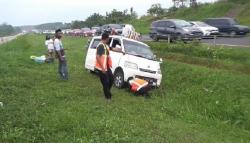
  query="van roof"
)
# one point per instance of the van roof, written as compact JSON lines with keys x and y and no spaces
{"x":168,"y":20}
{"x":218,"y":18}
{"x":121,"y":37}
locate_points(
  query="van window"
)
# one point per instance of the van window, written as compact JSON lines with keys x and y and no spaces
{"x":116,"y":42}
{"x":160,"y":24}
{"x":95,"y":43}
{"x":169,"y":24}
{"x":138,"y":49}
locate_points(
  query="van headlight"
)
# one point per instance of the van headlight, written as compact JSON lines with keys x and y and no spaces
{"x":130,"y":65}
{"x":159,"y":71}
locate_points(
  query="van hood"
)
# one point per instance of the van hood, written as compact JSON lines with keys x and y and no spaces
{"x":242,"y":27}
{"x":209,"y":28}
{"x":144,"y":63}
{"x":190,"y":29}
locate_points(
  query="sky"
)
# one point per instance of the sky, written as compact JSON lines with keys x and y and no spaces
{"x":33,"y":12}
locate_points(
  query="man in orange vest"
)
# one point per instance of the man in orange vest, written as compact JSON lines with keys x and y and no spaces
{"x":139,"y":86}
{"x":103,"y":65}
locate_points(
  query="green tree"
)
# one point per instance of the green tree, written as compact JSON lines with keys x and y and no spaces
{"x":95,"y":20}
{"x":156,"y":10}
{"x":6,"y":30}
{"x":78,"y":24}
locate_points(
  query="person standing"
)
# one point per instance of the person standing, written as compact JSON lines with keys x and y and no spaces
{"x":60,"y":53}
{"x":103,"y":65}
{"x":49,"y":43}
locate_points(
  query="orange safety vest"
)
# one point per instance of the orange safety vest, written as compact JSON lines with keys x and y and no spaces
{"x":106,"y":60}
{"x":137,"y":84}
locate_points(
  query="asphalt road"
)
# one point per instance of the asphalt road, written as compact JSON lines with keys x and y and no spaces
{"x":8,"y":38}
{"x":226,"y":41}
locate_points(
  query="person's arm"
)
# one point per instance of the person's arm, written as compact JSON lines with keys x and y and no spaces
{"x":116,"y":50}
{"x":58,"y":50}
{"x":100,"y":52}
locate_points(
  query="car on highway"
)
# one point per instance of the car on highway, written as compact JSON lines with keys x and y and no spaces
{"x":175,"y":29}
{"x":135,"y":60}
{"x":87,"y":32}
{"x":228,"y":26}
{"x":206,"y":29}
{"x":108,"y":28}
{"x":96,"y":30}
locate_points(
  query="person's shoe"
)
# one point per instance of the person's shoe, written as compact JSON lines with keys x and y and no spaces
{"x":108,"y":100}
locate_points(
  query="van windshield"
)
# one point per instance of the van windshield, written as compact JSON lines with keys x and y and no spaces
{"x":182,"y":23}
{"x":137,"y":49}
{"x":201,"y":24}
{"x":115,"y":26}
{"x":233,"y":22}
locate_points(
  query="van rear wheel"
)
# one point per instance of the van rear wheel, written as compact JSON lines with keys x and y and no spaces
{"x":232,"y":34}
{"x":155,"y":38}
{"x":119,"y":79}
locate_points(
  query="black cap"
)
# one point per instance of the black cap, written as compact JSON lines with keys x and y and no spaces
{"x":105,"y":36}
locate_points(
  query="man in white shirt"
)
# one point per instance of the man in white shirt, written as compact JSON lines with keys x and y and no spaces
{"x":62,"y":67}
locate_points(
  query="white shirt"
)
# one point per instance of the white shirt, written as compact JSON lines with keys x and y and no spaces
{"x":58,"y":44}
{"x":49,"y":44}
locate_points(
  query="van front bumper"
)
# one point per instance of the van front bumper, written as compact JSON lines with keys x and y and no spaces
{"x":153,"y":79}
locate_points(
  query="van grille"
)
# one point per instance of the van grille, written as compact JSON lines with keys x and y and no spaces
{"x":197,"y":33}
{"x":149,"y":80}
{"x":146,"y":70}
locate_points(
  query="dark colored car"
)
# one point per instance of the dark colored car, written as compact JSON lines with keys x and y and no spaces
{"x":228,"y":26}
{"x":108,"y":28}
{"x":96,"y":30}
{"x":175,"y":28}
{"x":87,"y":32}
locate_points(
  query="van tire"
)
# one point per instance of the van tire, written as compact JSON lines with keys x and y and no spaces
{"x":233,"y":34}
{"x":155,"y":38}
{"x":119,"y":78}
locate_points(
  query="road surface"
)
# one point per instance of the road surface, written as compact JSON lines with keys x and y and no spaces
{"x":226,"y":41}
{"x":8,"y":38}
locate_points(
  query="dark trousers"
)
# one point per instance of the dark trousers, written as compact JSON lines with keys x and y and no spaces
{"x":63,"y":70}
{"x":107,"y":82}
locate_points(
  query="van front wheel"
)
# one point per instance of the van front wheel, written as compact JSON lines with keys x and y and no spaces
{"x":119,"y":79}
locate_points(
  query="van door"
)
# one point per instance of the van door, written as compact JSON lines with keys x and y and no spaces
{"x":171,"y":29}
{"x":91,"y":55}
{"x":116,"y":56}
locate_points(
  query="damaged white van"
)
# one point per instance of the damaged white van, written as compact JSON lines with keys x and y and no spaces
{"x":137,"y":60}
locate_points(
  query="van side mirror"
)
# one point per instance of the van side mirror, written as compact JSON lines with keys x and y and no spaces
{"x":154,"y":56}
{"x":161,"y":61}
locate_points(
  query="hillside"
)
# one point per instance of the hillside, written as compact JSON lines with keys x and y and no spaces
{"x":203,"y":98}
{"x":240,"y":10}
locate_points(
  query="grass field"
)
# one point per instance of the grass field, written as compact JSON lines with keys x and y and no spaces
{"x":204,"y":98}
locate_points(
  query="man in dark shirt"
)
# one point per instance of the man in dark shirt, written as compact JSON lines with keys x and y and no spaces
{"x":104,"y":65}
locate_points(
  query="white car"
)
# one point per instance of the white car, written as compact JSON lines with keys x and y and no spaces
{"x":206,"y":29}
{"x":137,"y":60}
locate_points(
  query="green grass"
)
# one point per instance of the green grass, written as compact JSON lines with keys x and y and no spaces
{"x":204,"y":11}
{"x":195,"y":103}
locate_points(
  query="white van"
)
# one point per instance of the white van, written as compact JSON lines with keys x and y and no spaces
{"x":137,"y":60}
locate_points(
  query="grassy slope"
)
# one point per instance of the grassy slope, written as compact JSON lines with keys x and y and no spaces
{"x":194,"y":103}
{"x":219,"y":9}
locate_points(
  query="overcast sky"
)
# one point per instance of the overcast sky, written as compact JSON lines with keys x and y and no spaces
{"x":31,"y":12}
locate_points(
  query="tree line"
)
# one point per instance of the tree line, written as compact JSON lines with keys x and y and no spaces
{"x":6,"y":30}
{"x":114,"y":16}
